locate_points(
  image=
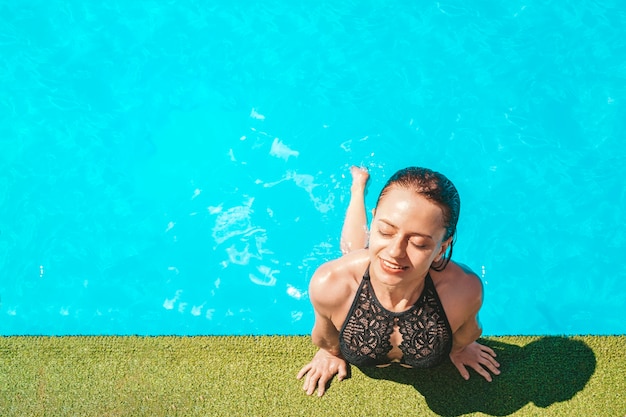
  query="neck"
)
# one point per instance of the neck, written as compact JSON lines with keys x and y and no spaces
{"x":398,"y":297}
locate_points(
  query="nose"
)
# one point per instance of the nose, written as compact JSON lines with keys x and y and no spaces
{"x":397,"y":247}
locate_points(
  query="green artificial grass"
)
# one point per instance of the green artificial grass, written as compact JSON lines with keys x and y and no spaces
{"x":255,"y":376}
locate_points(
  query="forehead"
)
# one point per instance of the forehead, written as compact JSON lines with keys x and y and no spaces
{"x":408,"y":209}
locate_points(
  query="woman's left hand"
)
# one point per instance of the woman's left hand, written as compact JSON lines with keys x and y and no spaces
{"x":478,"y":357}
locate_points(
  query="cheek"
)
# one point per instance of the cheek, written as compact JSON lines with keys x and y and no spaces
{"x":431,"y":255}
{"x":418,"y":256}
{"x":374,"y":245}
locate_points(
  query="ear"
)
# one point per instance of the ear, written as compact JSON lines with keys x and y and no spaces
{"x":444,"y":248}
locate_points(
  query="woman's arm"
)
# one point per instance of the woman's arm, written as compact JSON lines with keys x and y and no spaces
{"x":354,"y":234}
{"x":326,"y":363}
{"x":326,"y":294}
{"x":325,"y":335}
{"x":465,"y":350}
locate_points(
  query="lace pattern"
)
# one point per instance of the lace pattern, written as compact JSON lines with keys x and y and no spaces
{"x":365,"y":336}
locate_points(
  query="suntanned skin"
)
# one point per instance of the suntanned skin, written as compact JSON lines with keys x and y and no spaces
{"x":406,"y":239}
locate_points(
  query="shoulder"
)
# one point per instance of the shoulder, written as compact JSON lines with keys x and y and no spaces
{"x":459,"y":276}
{"x":459,"y":285}
{"x":336,"y":281}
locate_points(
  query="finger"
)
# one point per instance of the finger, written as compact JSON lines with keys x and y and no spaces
{"x":462,"y":370}
{"x":311,"y":382}
{"x":491,"y":364}
{"x":493,"y":361}
{"x":493,"y":369}
{"x":307,"y":382}
{"x":482,"y":371}
{"x":488,"y":350}
{"x":321,"y":387}
{"x":303,"y":371}
{"x":305,"y":385}
{"x":487,"y":356}
{"x":321,"y":384}
{"x":342,"y":372}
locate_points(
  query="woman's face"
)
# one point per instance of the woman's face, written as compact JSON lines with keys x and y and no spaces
{"x":406,"y":236}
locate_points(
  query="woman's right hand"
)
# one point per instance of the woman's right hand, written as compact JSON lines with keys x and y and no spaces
{"x":322,"y":368}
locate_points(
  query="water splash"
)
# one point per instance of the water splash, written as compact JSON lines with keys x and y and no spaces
{"x":267,"y":277}
{"x":280,"y":150}
{"x":307,"y":183}
{"x":294,"y":292}
{"x":168,"y":304}
{"x":233,"y":222}
{"x":238,"y":257}
{"x":197,"y":310}
{"x":256,"y":115}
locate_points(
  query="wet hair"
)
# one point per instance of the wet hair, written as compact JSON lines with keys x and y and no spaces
{"x":438,"y":189}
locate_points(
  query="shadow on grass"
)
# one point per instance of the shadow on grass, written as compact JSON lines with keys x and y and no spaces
{"x":546,"y":371}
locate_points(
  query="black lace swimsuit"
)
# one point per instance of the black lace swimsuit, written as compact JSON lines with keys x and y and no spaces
{"x":365,"y":335}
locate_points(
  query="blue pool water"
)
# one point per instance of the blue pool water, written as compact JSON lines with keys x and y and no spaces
{"x":181,"y":167}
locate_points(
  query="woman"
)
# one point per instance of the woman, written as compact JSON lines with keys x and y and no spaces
{"x":395,"y":296}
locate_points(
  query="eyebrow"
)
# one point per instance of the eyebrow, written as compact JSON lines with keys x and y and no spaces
{"x":412,"y":234}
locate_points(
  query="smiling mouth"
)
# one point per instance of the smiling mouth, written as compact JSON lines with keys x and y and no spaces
{"x":392,"y":266}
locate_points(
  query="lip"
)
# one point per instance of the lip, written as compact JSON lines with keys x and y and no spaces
{"x":389,"y":270}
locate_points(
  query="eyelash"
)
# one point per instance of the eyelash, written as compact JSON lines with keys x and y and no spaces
{"x":385,"y":235}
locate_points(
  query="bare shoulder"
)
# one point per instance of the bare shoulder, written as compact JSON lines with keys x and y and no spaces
{"x":460,"y":282}
{"x":460,"y":291}
{"x":335,"y":281}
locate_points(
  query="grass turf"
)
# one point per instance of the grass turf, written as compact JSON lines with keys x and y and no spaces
{"x":255,"y":376}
